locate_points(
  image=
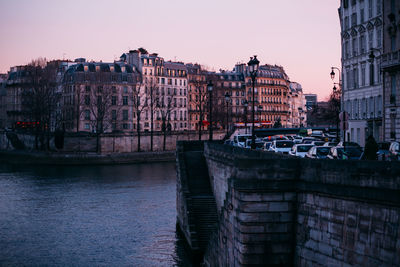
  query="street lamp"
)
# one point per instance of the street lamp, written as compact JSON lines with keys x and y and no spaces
{"x":209,"y":89}
{"x":342,"y":102}
{"x":253,"y":69}
{"x":227,"y":99}
{"x":246,"y":104}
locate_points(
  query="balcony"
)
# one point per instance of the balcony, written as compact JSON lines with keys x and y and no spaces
{"x":391,"y":61}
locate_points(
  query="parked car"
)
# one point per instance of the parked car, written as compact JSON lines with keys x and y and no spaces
{"x":318,"y":152}
{"x":297,"y":139}
{"x":348,"y":144}
{"x":259,"y":143}
{"x":330,"y":144}
{"x":308,"y":140}
{"x":228,"y":142}
{"x":394,"y":150}
{"x":281,"y":146}
{"x":300,"y":150}
{"x":383,"y":152}
{"x":267,"y":145}
{"x":351,"y":152}
{"x":240,"y":139}
{"x":317,"y":143}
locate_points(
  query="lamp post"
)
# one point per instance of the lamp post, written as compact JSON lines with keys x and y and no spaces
{"x":246,"y":104}
{"x":227,"y":99}
{"x":342,"y":104}
{"x":253,"y":69}
{"x":209,"y":89}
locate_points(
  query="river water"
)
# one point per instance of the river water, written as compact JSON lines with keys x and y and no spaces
{"x":122,"y":215}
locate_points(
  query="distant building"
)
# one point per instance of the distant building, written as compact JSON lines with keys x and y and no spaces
{"x":311,"y":101}
{"x":271,"y":95}
{"x":361,"y":39}
{"x":391,"y":70}
{"x":198,"y":105}
{"x":97,"y":97}
{"x":3,"y":94}
{"x":168,"y":83}
{"x":297,"y":106}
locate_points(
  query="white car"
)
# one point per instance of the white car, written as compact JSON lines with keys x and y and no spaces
{"x":300,"y":150}
{"x":297,"y":139}
{"x":281,"y":146}
{"x":240,"y":140}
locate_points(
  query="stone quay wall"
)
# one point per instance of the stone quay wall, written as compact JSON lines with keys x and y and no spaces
{"x":279,"y":210}
{"x":110,"y":143}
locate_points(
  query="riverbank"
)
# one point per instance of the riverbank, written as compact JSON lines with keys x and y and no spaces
{"x":82,"y":158}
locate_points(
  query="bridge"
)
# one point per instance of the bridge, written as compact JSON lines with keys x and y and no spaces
{"x":238,"y":207}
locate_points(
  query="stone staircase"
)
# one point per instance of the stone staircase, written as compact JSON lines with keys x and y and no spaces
{"x":201,"y":206}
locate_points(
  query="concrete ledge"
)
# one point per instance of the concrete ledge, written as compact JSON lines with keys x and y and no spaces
{"x":43,"y":158}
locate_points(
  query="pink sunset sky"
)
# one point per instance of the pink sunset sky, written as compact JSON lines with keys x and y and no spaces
{"x":301,"y":35}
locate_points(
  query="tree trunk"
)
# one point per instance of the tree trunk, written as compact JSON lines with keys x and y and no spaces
{"x":98,"y":143}
{"x":138,"y":132}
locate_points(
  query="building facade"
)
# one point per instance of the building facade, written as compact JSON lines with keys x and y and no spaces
{"x":297,"y":106}
{"x":97,"y":97}
{"x":165,"y":87}
{"x":271,"y":95}
{"x":391,"y":70}
{"x":361,"y":40}
{"x":198,"y":105}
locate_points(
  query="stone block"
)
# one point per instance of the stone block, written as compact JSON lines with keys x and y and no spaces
{"x":325,"y":249}
{"x":256,"y":197}
{"x":279,"y":206}
{"x":258,"y":217}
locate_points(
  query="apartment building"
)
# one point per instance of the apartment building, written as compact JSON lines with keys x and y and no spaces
{"x":361,"y":39}
{"x":391,"y":69}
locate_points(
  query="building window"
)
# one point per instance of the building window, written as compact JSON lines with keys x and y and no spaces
{"x":113,"y":114}
{"x":87,"y":88}
{"x":124,"y":100}
{"x":125,"y":115}
{"x":353,"y":19}
{"x":87,"y":100}
{"x":362,"y":44}
{"x":113,"y":89}
{"x":87,"y":114}
{"x":363,"y":75}
{"x":114,"y":100}
{"x":125,"y":90}
{"x":379,"y":38}
{"x":370,"y":39}
{"x":87,"y":126}
{"x":125,"y":126}
{"x":362,"y":16}
{"x":99,"y":89}
{"x":392,"y":89}
{"x":370,"y":8}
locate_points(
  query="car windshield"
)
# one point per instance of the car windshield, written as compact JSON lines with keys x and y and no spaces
{"x":242,"y":138}
{"x":303,"y":148}
{"x":319,"y":143}
{"x":322,"y":151}
{"x":284,"y":144}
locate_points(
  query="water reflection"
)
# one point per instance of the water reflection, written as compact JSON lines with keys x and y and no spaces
{"x":95,"y":215}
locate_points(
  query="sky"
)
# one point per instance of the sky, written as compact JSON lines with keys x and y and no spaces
{"x":303,"y":36}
